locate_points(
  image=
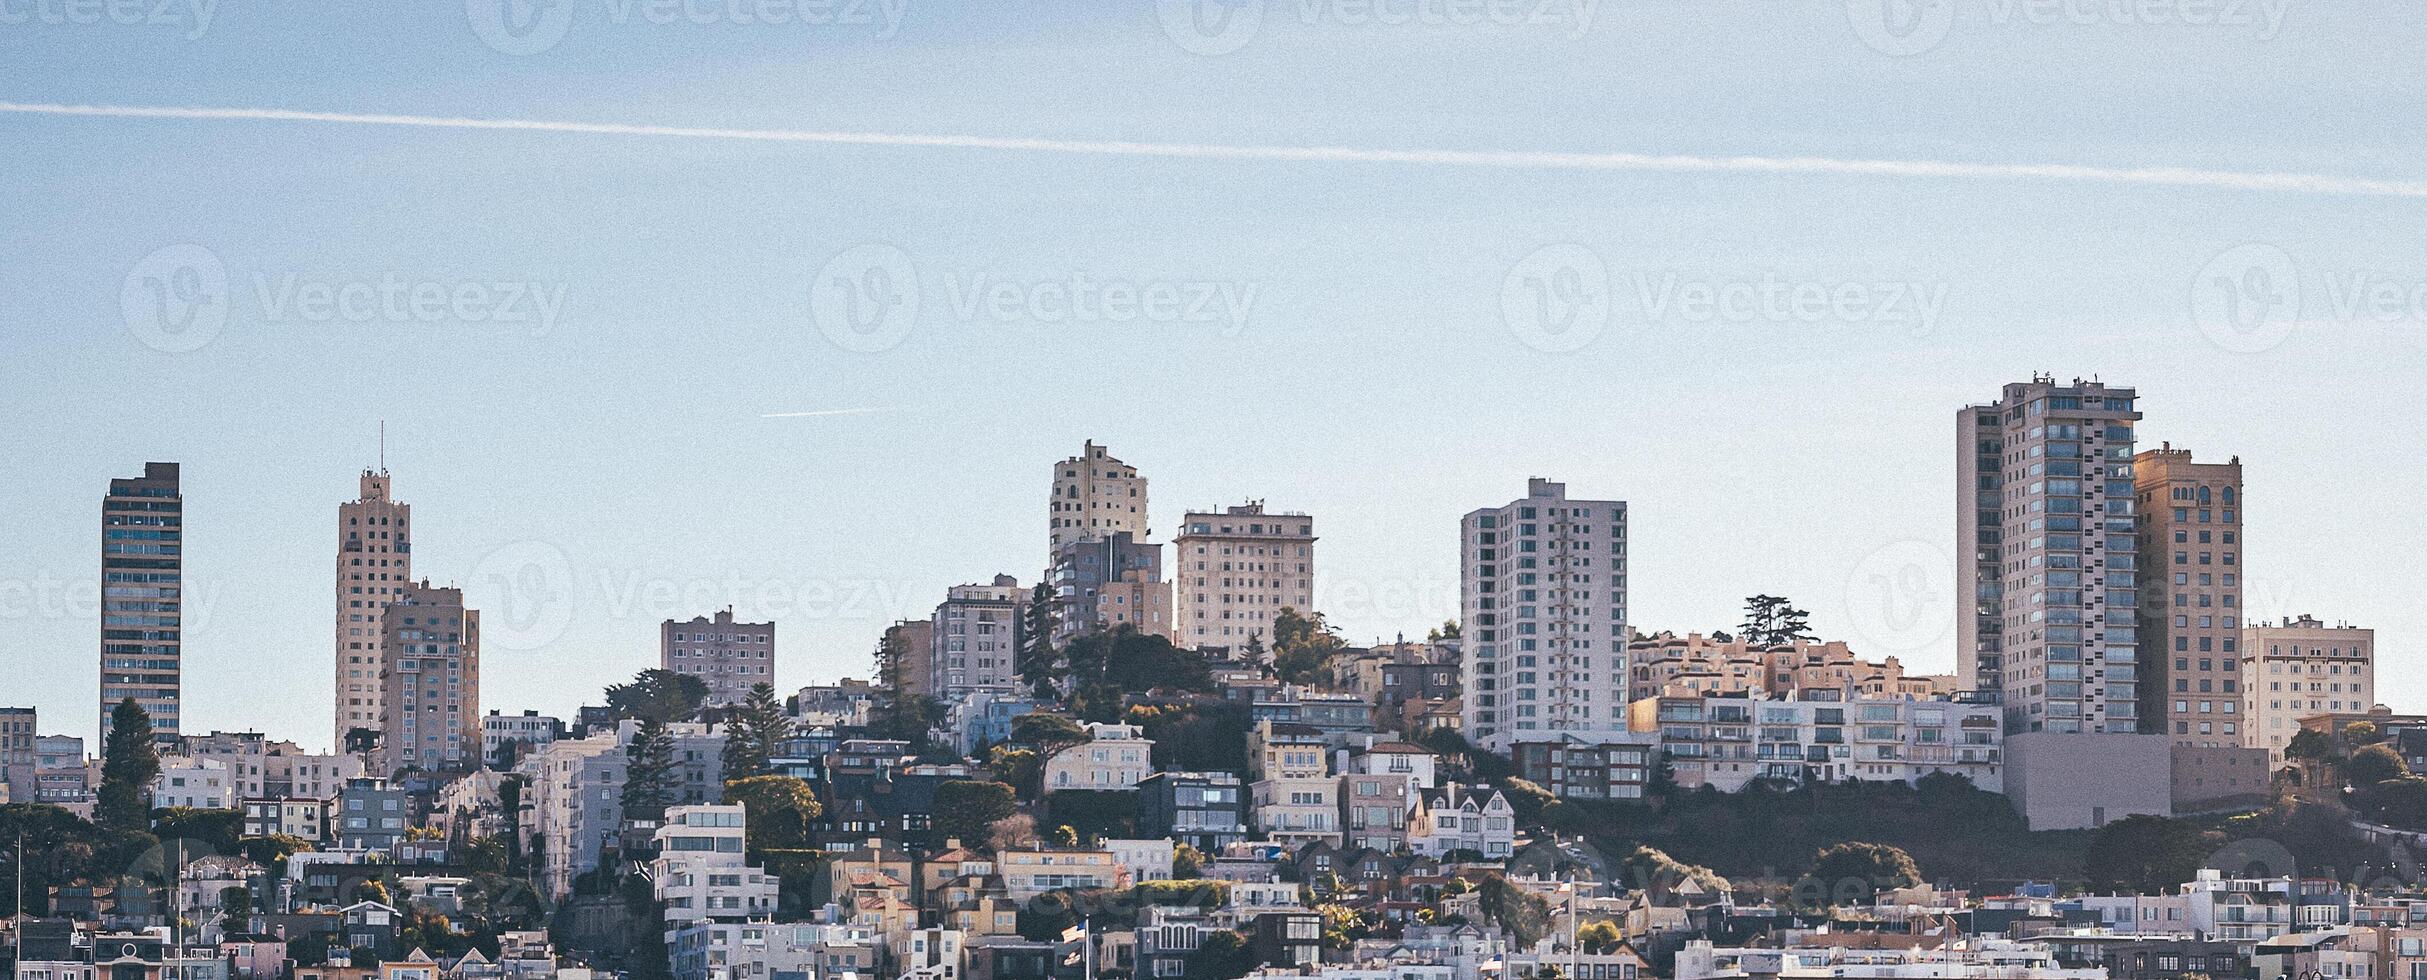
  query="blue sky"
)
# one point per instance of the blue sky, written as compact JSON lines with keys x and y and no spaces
{"x":1359,"y":340}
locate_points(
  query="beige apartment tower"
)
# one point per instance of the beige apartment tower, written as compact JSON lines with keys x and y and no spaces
{"x":374,"y":564}
{"x":731,"y":657}
{"x":430,"y":684}
{"x":1095,"y":495}
{"x":2191,"y":598}
{"x":1238,"y":568}
{"x":2301,"y":667}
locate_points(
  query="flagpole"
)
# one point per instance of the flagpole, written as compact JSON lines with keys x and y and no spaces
{"x":1087,"y":947}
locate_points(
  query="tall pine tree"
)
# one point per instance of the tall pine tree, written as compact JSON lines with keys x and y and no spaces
{"x":129,"y":762}
{"x":649,"y":772}
{"x":754,"y":730}
{"x":1038,"y":663}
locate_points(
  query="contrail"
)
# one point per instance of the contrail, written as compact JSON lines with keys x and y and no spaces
{"x":822,"y":413}
{"x":2299,"y":183}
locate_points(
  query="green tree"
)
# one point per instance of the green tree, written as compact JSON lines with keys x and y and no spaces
{"x":1223,"y":955}
{"x":217,"y":828}
{"x":1662,"y":878}
{"x":235,"y":909}
{"x":779,"y":810}
{"x":1853,"y":872}
{"x":1186,"y":861}
{"x":649,"y":772}
{"x":754,"y":732}
{"x":1303,"y":646}
{"x":1048,"y":732}
{"x":1108,"y":666}
{"x":130,"y":760}
{"x":1342,"y":927}
{"x":1600,"y":936}
{"x":1016,"y":766}
{"x":2309,"y":744}
{"x":2145,"y":854}
{"x":966,"y":809}
{"x":658,"y":695}
{"x":1038,"y":663}
{"x":1771,"y":620}
{"x":2360,"y":733}
{"x":2374,"y":764}
{"x":1065,"y":836}
{"x":1525,"y":915}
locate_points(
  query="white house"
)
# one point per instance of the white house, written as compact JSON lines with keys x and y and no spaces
{"x":1461,"y":818}
{"x":1114,"y":757}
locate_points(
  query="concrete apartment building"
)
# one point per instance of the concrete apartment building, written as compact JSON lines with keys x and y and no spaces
{"x":2191,"y":598}
{"x":2064,"y":569}
{"x":976,"y":635}
{"x":1728,"y":741}
{"x":2299,"y":667}
{"x":142,"y":597}
{"x":61,"y":775}
{"x":1237,"y":569}
{"x":1697,"y":664}
{"x":1095,"y":495}
{"x":374,"y":563}
{"x":530,"y":731}
{"x":430,"y":686}
{"x":1108,"y":582}
{"x":1543,"y":600}
{"x":19,"y":762}
{"x":730,"y":656}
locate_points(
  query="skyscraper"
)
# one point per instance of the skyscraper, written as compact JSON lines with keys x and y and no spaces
{"x":142,"y":597}
{"x":2191,"y":598}
{"x":2049,"y":597}
{"x":1543,"y":603}
{"x":1236,"y":569}
{"x":374,"y":564}
{"x":732,"y":657}
{"x":430,"y":683}
{"x":1095,"y":495}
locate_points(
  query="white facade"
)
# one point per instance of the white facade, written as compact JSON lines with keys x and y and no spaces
{"x":2302,"y":667}
{"x":699,"y":871}
{"x":1727,"y":742}
{"x":1460,"y":818}
{"x":1094,"y":495}
{"x":1297,"y":810}
{"x":1543,"y":586}
{"x":203,"y":784}
{"x":1117,"y":757}
{"x":1147,"y":860}
{"x":1235,"y":570}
